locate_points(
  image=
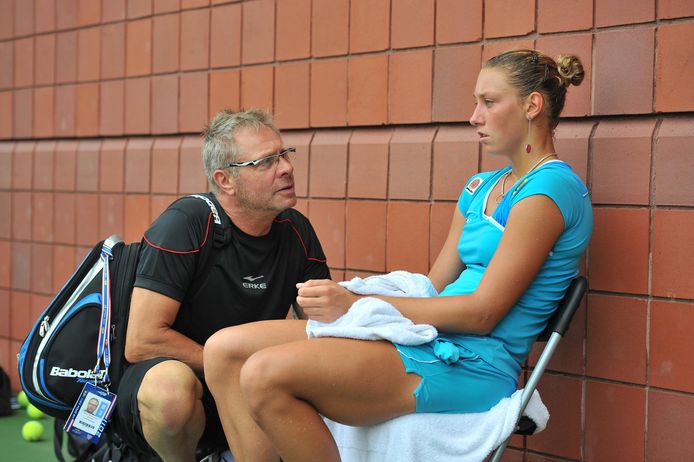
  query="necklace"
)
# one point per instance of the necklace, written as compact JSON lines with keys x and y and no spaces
{"x":508,"y":174}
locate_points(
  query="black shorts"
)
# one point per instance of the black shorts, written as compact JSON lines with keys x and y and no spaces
{"x":126,"y":418}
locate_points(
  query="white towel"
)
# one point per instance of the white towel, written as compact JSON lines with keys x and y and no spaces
{"x":436,"y":437}
{"x":374,"y":319}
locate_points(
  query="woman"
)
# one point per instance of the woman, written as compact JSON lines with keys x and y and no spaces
{"x":513,"y":247}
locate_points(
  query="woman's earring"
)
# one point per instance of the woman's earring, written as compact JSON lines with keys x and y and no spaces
{"x":528,"y":147}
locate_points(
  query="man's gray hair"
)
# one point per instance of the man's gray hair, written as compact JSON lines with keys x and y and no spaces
{"x":219,"y":147}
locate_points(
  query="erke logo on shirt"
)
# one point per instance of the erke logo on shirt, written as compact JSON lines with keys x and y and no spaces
{"x":252,"y":285}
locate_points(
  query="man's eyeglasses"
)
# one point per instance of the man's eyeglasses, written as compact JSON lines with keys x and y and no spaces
{"x":266,"y":162}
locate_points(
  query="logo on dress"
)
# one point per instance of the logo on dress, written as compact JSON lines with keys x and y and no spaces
{"x":474,"y":184}
{"x":251,"y":284}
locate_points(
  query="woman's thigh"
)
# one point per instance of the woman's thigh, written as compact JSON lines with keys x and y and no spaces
{"x":243,"y":340}
{"x":350,"y":381}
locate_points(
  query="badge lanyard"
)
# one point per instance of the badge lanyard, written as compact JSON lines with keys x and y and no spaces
{"x":103,"y":345}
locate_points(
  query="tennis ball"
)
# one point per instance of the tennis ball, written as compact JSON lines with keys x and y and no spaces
{"x":22,"y":399}
{"x":33,"y":412}
{"x":32,"y":431}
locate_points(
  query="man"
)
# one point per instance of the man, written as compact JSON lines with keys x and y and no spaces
{"x":164,"y":405}
{"x":92,"y":404}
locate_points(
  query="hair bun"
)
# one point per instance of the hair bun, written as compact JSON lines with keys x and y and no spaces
{"x":570,"y":70}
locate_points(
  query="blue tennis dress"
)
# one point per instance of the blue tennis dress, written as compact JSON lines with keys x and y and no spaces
{"x":471,"y":373}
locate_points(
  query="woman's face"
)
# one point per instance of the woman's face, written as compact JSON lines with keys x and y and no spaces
{"x":499,"y":115}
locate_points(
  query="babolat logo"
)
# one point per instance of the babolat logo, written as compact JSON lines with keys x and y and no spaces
{"x":251,"y":284}
{"x":76,"y":373}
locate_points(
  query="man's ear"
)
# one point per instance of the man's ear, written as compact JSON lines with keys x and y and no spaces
{"x":225,"y":181}
{"x":534,"y":104}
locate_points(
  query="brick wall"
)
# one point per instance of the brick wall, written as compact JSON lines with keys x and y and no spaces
{"x":100,"y":103}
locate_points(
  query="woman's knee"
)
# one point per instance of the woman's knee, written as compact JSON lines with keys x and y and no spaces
{"x":263,"y":378}
{"x":224,"y":352}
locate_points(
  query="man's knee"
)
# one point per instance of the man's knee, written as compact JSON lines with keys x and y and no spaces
{"x":168,"y":397}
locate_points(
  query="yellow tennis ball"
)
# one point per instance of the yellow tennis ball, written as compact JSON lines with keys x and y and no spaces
{"x":22,"y":399}
{"x":33,"y":412}
{"x":32,"y":431}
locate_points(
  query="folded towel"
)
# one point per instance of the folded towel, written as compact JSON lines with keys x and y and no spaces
{"x":436,"y":437}
{"x":374,"y":319}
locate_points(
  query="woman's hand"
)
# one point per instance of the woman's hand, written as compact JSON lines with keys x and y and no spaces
{"x":324,"y":300}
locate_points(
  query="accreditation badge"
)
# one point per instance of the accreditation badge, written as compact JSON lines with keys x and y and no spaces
{"x":90,"y":414}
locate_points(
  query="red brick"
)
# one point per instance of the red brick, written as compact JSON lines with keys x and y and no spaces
{"x":4,"y":319}
{"x":40,"y":302}
{"x":292,"y":95}
{"x":138,"y":56}
{"x":456,"y":158}
{"x":166,"y":6}
{"x":330,"y":31}
{"x":614,"y":412}
{"x":672,"y":250}
{"x":410,"y":163}
{"x":165,"y":165}
{"x":193,"y":97}
{"x":88,"y":12}
{"x":195,"y":39}
{"x":44,"y":160}
{"x":498,"y":23}
{"x":571,"y":143}
{"x":407,"y":243}
{"x":618,"y":259}
{"x":6,"y":209}
{"x":675,"y":8}
{"x":88,"y":152}
{"x":24,"y":62}
{"x":65,"y":165}
{"x":293,"y":29}
{"x":44,"y":64}
{"x":441,"y":214}
{"x":22,"y":163}
{"x":328,"y":219}
{"x":369,"y":25}
{"x":112,"y":166}
{"x":673,"y":163}
{"x":412,"y":23}
{"x":455,"y":75}
{"x":225,"y":91}
{"x":111,"y":218}
{"x":458,"y":21}
{"x":20,"y":315}
{"x":674,"y":60}
{"x":66,"y":57}
{"x":7,"y":63}
{"x":139,"y":8}
{"x":6,"y":149}
{"x":165,"y":43}
{"x":616,"y":354}
{"x":193,"y":3}
{"x":137,"y":105}
{"x":670,"y":419}
{"x":113,"y":51}
{"x":44,"y":15}
{"x":328,"y":171}
{"x":564,"y":15}
{"x":7,"y":19}
{"x":44,"y":109}
{"x":191,"y":177}
{"x":368,"y":163}
{"x":87,"y":108}
{"x":367,"y":102}
{"x":112,"y":107}
{"x":158,"y":204}
{"x":41,"y":268}
{"x":42,"y":211}
{"x":64,"y":218}
{"x":578,"y":99}
{"x":491,"y":49}
{"x":258,"y":32}
{"x":6,"y":114}
{"x":614,"y":12}
{"x":164,"y":104}
{"x":329,"y":93}
{"x":23,"y":18}
{"x":225,"y":44}
{"x":257,"y":84}
{"x":563,"y":397}
{"x":670,"y":360}
{"x":138,"y":154}
{"x":65,"y":110}
{"x":112,"y":10}
{"x":615,"y":144}
{"x":409,"y":98}
{"x":619,"y":53}
{"x":89,"y":46}
{"x":301,"y":140}
{"x":136,"y":217}
{"x":365,"y":240}
{"x":21,"y":266}
{"x":22,"y":120}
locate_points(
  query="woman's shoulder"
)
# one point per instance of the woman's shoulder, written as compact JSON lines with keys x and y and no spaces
{"x":477,"y":180}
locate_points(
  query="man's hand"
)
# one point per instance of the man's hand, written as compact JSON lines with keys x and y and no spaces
{"x":324,"y":300}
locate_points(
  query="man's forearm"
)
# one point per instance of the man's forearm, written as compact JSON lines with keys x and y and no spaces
{"x":165,"y":342}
